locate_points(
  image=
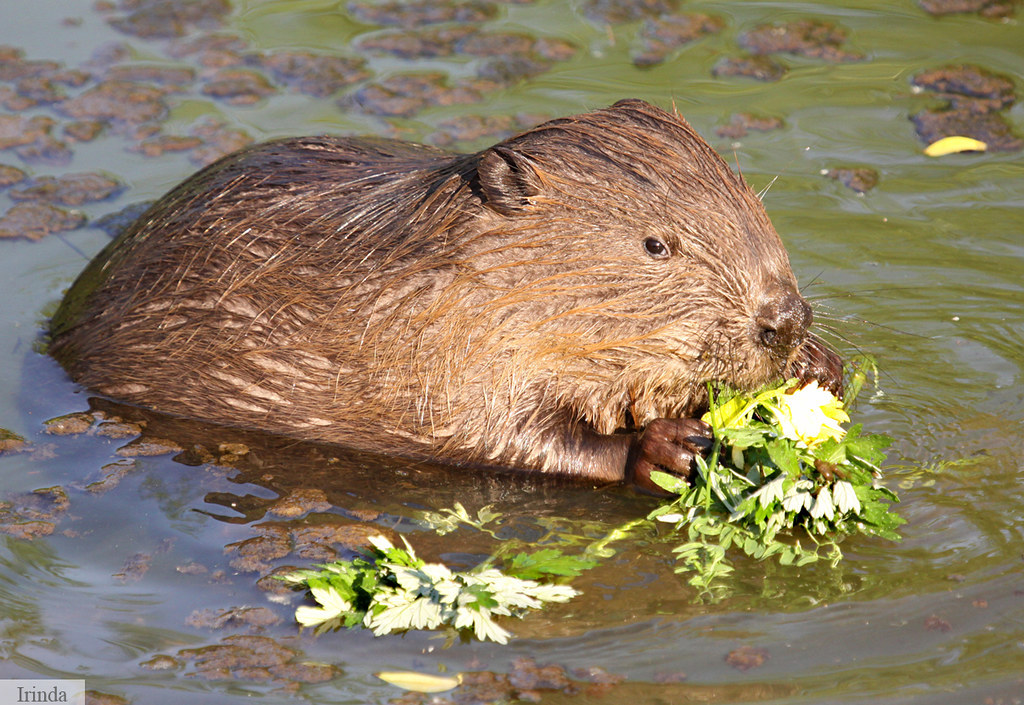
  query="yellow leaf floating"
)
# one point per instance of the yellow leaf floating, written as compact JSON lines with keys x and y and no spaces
{"x":952,"y":145}
{"x":420,"y":682}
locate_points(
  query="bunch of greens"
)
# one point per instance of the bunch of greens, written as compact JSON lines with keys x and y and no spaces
{"x":781,"y":465}
{"x":390,"y":589}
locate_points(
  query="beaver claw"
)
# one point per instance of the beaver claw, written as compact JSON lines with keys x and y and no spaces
{"x":815,"y":361}
{"x":669,"y":445}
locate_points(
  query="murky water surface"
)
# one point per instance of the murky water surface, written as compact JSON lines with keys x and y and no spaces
{"x":925,"y":271}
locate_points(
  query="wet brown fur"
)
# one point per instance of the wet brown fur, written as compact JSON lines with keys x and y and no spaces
{"x":497,"y":308}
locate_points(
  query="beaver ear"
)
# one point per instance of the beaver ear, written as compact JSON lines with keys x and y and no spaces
{"x":508,"y":179}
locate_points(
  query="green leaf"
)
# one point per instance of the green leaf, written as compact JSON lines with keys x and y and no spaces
{"x":669,"y":483}
{"x":784,"y":456}
{"x":748,"y":437}
{"x":547,"y":562}
{"x":481,"y":597}
{"x":870,"y":447}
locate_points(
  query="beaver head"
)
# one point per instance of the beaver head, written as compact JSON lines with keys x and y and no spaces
{"x":636,"y":263}
{"x":534,"y":305}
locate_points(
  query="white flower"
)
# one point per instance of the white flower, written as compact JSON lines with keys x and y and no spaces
{"x":332,"y":608}
{"x":402,"y":610}
{"x":381,"y":543}
{"x":483,"y":626}
{"x":770,"y":492}
{"x":737,"y":458}
{"x":554,"y":593}
{"x":811,"y":415}
{"x":822,"y":506}
{"x":798,"y":497}
{"x":845,"y":497}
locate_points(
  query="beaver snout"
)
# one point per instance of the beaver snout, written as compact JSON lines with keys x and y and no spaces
{"x":782,"y":322}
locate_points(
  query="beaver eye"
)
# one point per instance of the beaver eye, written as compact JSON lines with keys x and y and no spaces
{"x":656,"y":248}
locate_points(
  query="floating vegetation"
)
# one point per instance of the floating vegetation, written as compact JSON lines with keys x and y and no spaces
{"x":391,"y":590}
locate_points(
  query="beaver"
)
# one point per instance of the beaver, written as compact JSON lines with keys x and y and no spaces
{"x":557,"y":303}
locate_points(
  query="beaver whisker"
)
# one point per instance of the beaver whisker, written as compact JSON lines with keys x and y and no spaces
{"x":764,"y":192}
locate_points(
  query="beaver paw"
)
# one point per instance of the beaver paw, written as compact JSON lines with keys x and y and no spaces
{"x":669,"y":445}
{"x":815,"y":361}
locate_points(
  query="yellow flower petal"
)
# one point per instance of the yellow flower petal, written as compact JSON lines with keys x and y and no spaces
{"x":730,"y":414}
{"x":952,"y":145}
{"x":420,"y":682}
{"x":811,"y":414}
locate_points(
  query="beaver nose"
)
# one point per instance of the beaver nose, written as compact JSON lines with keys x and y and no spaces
{"x":782,"y":321}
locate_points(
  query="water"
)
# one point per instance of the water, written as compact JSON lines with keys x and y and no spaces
{"x":925,"y":271}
